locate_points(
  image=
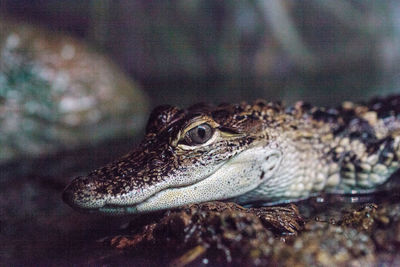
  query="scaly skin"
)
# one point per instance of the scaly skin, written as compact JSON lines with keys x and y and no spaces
{"x":246,"y":153}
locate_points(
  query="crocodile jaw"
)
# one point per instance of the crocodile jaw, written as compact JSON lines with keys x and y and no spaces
{"x":237,"y":176}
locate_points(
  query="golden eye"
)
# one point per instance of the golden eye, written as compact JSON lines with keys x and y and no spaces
{"x":199,"y":134}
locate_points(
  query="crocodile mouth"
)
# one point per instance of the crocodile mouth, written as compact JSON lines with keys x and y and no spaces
{"x":113,"y":209}
{"x":123,"y":204}
{"x":121,"y":209}
{"x":227,"y":180}
{"x":132,"y":208}
{"x":230,"y":179}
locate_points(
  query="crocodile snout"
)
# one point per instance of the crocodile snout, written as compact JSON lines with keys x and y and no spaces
{"x":81,"y":194}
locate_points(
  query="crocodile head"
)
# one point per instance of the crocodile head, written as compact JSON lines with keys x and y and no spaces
{"x":192,"y":155}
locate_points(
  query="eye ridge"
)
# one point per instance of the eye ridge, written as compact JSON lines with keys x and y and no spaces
{"x":199,"y":134}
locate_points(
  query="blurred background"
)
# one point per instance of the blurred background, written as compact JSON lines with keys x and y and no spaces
{"x":79,"y":78}
{"x":185,"y":51}
{"x":74,"y":72}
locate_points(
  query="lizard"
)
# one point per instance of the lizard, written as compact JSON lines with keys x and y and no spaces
{"x":245,"y":152}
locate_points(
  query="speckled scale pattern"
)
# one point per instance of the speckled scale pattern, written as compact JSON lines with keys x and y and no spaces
{"x":345,"y":149}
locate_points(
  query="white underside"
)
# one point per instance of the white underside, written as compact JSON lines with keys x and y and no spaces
{"x":241,"y":174}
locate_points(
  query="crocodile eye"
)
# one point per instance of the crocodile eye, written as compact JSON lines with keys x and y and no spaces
{"x":199,"y":134}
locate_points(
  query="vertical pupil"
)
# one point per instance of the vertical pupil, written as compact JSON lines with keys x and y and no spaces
{"x":201,"y":132}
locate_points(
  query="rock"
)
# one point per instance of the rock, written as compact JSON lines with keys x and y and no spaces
{"x":219,"y":233}
{"x":324,"y":244}
{"x":57,"y":93}
{"x":215,"y":232}
{"x":366,"y":218}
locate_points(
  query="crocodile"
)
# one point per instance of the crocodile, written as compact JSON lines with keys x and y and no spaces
{"x":247,"y":153}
